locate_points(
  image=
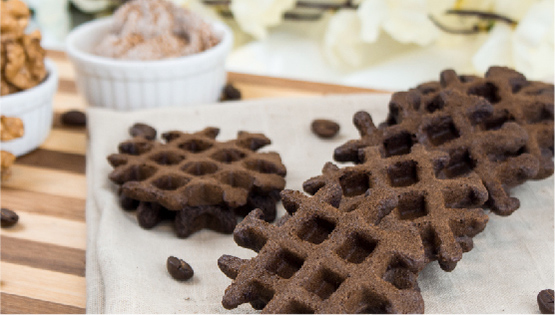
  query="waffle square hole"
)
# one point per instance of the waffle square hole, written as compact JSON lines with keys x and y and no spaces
{"x":371,"y":303}
{"x":324,"y":283}
{"x":435,"y":104}
{"x":316,"y":230}
{"x":295,"y":307}
{"x":399,"y":275}
{"x":442,"y":131}
{"x":356,"y":248}
{"x":393,"y":116}
{"x":403,"y":174}
{"x":263,"y":295}
{"x":228,"y":155}
{"x":195,"y":145}
{"x":285,"y":264}
{"x":497,"y":122}
{"x":398,"y":144}
{"x":538,"y":112}
{"x":262,"y":166}
{"x":140,"y":172}
{"x":167,"y":158}
{"x":497,"y":157}
{"x":460,"y":164}
{"x":430,"y":242}
{"x":467,"y":78}
{"x":354,"y":183}
{"x":412,"y":206}
{"x":170,"y":182}
{"x":134,"y":148}
{"x":488,"y":91}
{"x":200,"y":168}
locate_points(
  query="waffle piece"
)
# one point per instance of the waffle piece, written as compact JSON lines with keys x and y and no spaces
{"x":452,"y":122}
{"x":192,"y":219}
{"x":199,"y":177}
{"x":323,"y":260}
{"x":515,"y":99}
{"x":446,"y":212}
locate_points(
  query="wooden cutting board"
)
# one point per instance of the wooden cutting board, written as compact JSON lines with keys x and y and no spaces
{"x":43,"y":256}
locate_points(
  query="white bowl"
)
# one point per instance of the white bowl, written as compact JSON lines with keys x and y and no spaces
{"x":34,"y":108}
{"x":129,"y":85}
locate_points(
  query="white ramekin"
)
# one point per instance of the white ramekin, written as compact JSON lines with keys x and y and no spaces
{"x":129,"y":85}
{"x":34,"y":108}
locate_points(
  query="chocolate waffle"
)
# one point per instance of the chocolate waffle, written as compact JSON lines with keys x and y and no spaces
{"x":323,"y":260}
{"x":446,"y":212}
{"x":203,"y":180}
{"x":452,"y":122}
{"x":514,"y":98}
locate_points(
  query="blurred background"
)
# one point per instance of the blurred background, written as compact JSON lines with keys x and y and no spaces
{"x":381,"y":44}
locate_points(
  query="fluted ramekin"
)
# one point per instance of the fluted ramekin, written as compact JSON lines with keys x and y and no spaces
{"x":34,"y":108}
{"x":130,"y":85}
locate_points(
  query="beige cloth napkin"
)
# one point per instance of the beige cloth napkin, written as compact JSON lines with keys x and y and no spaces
{"x":511,"y":262}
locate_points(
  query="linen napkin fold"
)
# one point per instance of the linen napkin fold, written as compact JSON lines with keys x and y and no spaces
{"x":126,"y":265}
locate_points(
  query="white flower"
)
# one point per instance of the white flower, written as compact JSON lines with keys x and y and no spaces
{"x":372,"y":15}
{"x":529,"y":48}
{"x":255,"y":16}
{"x":92,"y":6}
{"x":344,"y":44}
{"x":342,"y":40}
{"x":406,"y":21}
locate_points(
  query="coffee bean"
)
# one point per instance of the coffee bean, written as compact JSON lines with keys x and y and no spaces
{"x":74,"y":118}
{"x":325,"y":128}
{"x":179,"y":269}
{"x":545,"y":301}
{"x":140,"y":129}
{"x":230,"y":93}
{"x":8,"y":217}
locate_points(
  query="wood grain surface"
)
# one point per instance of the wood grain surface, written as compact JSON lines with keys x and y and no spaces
{"x":43,"y":256}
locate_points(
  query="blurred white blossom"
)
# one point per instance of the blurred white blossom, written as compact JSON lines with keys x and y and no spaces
{"x":354,"y":37}
{"x":528,"y":48}
{"x":406,"y":21}
{"x":255,"y":16}
{"x":342,"y":40}
{"x":344,"y":44}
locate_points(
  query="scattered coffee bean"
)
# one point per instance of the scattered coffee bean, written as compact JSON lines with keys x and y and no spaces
{"x":140,"y":129}
{"x":325,"y":128}
{"x":74,"y":118}
{"x":8,"y":217}
{"x":179,"y":269}
{"x":545,"y":301}
{"x":230,"y":93}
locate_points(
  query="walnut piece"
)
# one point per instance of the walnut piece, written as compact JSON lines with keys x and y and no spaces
{"x":22,"y":57}
{"x":10,"y":128}
{"x":6,"y":161}
{"x":14,"y":17}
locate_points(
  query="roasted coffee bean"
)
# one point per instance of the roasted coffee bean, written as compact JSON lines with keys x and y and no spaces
{"x":325,"y":128}
{"x":140,"y":129}
{"x":179,"y":269}
{"x":74,"y":118}
{"x":8,"y":217}
{"x":545,"y":301}
{"x":230,"y":93}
